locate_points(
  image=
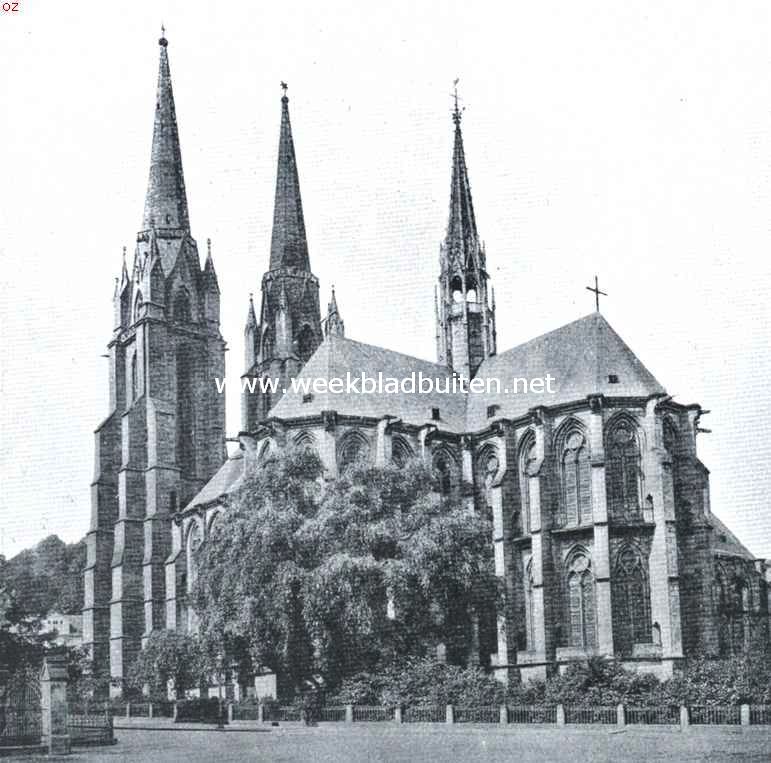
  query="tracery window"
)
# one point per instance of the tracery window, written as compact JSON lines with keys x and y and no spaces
{"x":181,"y":307}
{"x":576,"y":498}
{"x":526,"y":459}
{"x":631,"y":601}
{"x":353,"y":448}
{"x":622,"y":471}
{"x":442,"y":467}
{"x":401,"y":452}
{"x":581,"y":610}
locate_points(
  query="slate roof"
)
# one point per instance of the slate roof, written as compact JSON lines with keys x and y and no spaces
{"x":227,"y":478}
{"x":336,"y":356}
{"x":580,"y":356}
{"x":731,"y":545}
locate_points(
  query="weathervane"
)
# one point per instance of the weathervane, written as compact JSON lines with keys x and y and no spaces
{"x":597,"y":292}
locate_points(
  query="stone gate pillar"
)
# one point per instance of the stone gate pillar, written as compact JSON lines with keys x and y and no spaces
{"x":53,"y":700}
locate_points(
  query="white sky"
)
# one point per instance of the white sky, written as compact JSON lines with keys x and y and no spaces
{"x":628,"y":139}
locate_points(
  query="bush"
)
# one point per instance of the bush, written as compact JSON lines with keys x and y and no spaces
{"x":201,"y":710}
{"x":421,"y":682}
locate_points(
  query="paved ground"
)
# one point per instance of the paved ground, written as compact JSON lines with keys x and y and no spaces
{"x":374,"y":742}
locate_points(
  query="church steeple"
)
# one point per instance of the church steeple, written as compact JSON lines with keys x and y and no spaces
{"x":465,"y":320}
{"x":288,"y":246}
{"x":166,"y":201}
{"x":287,"y":329}
{"x":333,"y":323}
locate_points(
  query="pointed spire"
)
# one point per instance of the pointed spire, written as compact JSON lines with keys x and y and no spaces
{"x":288,"y":246}
{"x":251,"y":316}
{"x":334,"y":324}
{"x":462,"y":227}
{"x":166,"y":202}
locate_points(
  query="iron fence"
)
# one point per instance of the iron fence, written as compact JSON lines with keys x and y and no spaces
{"x":425,"y":714}
{"x":90,"y":729}
{"x":246,"y":712}
{"x":372,"y":713}
{"x":708,"y":715}
{"x":334,"y":713}
{"x":760,"y":715}
{"x":594,"y":714}
{"x":531,"y":714}
{"x":477,"y":714}
{"x":651,"y":716}
{"x":283,"y":714}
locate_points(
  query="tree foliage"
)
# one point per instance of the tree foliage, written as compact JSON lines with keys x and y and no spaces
{"x":47,"y":577}
{"x":302,"y":572}
{"x":170,"y":655}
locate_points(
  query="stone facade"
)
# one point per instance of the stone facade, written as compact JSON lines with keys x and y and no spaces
{"x":603,"y":535}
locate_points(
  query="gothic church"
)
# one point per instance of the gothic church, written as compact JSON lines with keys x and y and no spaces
{"x":603,"y":537}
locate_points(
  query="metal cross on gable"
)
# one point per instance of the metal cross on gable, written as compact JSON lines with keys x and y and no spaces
{"x":597,"y":292}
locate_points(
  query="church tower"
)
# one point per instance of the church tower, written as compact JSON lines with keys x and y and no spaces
{"x":165,"y":434}
{"x":465,"y":333}
{"x":289,"y":327}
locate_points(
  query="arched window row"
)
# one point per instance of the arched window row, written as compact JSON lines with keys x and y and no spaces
{"x":575,"y":506}
{"x":401,"y":452}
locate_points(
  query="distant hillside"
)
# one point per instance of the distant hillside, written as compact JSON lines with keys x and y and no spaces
{"x":48,"y":577}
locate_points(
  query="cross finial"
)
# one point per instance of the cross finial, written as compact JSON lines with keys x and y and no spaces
{"x":456,"y":111}
{"x":163,"y":42}
{"x":284,"y":86}
{"x":597,"y":292}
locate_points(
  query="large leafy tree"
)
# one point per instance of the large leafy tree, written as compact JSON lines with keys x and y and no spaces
{"x":333,"y":578}
{"x":168,"y":655}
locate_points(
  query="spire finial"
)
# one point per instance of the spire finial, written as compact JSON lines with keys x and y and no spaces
{"x":208,"y":247}
{"x":456,"y":113}
{"x":284,"y":88}
{"x":163,"y":42}
{"x":124,"y":254}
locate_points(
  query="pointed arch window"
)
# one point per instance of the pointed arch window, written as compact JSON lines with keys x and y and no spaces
{"x":622,"y":471}
{"x":305,"y":341}
{"x":138,"y":303}
{"x":181,"y":307}
{"x":529,"y":608}
{"x":353,"y":449}
{"x":527,"y":457}
{"x":581,"y":609}
{"x":134,"y":391}
{"x":401,"y":452}
{"x":445,"y":468}
{"x":631,"y":601}
{"x":576,"y":498}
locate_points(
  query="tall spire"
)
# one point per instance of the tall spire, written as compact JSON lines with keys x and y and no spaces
{"x":462,"y":227}
{"x":288,"y":246}
{"x":333,"y":324}
{"x":166,"y":202}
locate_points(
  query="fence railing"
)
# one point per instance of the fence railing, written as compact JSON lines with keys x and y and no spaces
{"x":660,"y":715}
{"x":92,"y":728}
{"x":709,"y":715}
{"x":371,"y":713}
{"x":760,"y":715}
{"x":425,"y":714}
{"x":590,"y":714}
{"x":531,"y":714}
{"x":477,"y":715}
{"x":334,"y":713}
{"x":653,"y":716}
{"x":20,"y":726}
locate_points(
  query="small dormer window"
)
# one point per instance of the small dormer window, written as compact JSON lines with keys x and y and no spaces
{"x":612,"y":379}
{"x":492,"y":410}
{"x":435,"y":414}
{"x":308,"y":397}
